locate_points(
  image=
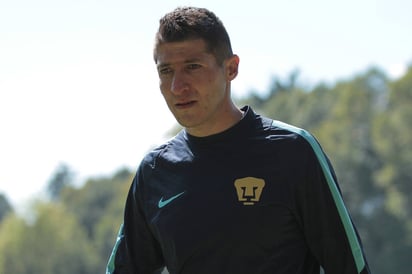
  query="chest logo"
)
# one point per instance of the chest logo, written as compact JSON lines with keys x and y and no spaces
{"x":163,"y":203}
{"x":249,"y":189}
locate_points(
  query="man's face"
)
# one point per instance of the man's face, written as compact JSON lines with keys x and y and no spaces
{"x":195,"y":87}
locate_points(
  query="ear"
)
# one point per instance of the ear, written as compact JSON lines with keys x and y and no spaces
{"x":232,"y":66}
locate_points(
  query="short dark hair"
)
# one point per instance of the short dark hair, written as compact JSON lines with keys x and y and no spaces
{"x":185,"y":23}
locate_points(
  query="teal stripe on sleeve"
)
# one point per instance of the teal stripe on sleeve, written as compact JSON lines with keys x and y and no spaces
{"x":111,"y":263}
{"x":343,"y":213}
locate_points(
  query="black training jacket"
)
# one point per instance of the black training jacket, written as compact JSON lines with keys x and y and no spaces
{"x":258,"y":198}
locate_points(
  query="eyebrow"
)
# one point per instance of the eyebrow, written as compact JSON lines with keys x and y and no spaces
{"x":188,"y":61}
{"x":165,"y":65}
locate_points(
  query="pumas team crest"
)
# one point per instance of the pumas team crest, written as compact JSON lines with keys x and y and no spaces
{"x":249,"y":189}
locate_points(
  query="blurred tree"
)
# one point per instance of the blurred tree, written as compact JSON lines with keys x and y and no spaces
{"x":5,"y":207}
{"x":106,"y":229}
{"x":287,"y":85}
{"x":53,"y":244}
{"x":279,"y":86}
{"x":91,"y":202}
{"x":12,"y":230}
{"x":98,"y":206}
{"x":62,"y":177}
{"x":346,"y":134}
{"x":393,"y":140}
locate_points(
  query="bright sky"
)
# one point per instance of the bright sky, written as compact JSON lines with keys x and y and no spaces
{"x":78,"y":84}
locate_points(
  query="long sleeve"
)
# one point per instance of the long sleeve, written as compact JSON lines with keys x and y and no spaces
{"x":136,"y":251}
{"x":327,"y":225}
{"x":328,"y":228}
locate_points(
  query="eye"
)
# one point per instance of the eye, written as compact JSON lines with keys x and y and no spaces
{"x":193,"y":66}
{"x":165,"y":71}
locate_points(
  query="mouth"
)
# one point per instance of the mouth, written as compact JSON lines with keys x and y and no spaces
{"x":184,"y":105}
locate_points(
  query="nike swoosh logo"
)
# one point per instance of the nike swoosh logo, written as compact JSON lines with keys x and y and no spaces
{"x":163,"y":203}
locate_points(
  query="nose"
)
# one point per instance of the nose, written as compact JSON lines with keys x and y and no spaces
{"x":179,"y":83}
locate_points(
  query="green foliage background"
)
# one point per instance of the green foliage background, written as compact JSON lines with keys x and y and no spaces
{"x":363,"y":123}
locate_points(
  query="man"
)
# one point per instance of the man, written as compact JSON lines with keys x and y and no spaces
{"x":233,"y":192}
